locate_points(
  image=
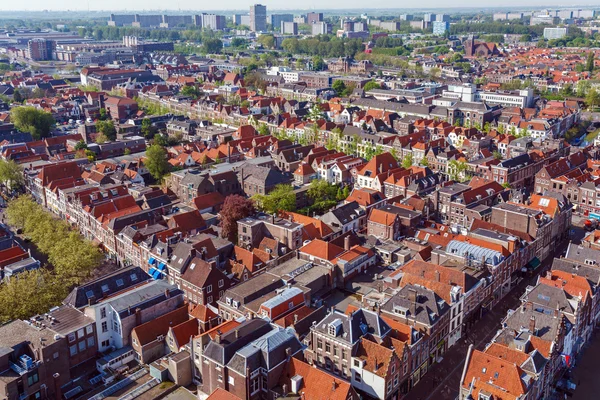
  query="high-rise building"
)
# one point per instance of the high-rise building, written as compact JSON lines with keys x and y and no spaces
{"x":277,"y":19}
{"x":40,"y":49}
{"x":440,"y":27}
{"x":442,"y":18}
{"x":289,"y":28}
{"x":258,"y":18}
{"x":313,"y":17}
{"x":429,"y":17}
{"x":211,"y":21}
{"x":321,"y":28}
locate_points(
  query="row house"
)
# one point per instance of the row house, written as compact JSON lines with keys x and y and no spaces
{"x":469,"y":204}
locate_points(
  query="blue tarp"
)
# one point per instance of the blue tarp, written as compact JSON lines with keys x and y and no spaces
{"x":152,"y":271}
{"x":161,"y":266}
{"x":151,"y":260}
{"x":157,"y":275}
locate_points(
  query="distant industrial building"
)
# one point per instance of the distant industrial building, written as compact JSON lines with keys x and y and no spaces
{"x":555,"y":33}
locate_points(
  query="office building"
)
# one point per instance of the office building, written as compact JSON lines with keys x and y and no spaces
{"x":442,"y":18}
{"x":258,"y":18}
{"x":213,"y":21}
{"x":321,"y":28}
{"x":406,"y":17}
{"x":429,"y":17}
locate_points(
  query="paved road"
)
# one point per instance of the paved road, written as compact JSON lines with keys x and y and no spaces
{"x":443,"y":379}
{"x":585,"y":373}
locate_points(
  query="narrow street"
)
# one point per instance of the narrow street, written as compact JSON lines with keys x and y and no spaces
{"x":443,"y":379}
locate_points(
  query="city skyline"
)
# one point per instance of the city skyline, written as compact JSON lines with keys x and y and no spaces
{"x":336,"y":5}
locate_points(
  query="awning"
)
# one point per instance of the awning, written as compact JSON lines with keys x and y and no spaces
{"x":157,"y":275}
{"x":151,"y":272}
{"x":151,"y":260}
{"x":533,"y":264}
{"x":161,"y":266}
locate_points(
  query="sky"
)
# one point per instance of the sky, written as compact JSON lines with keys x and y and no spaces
{"x":140,"y":5}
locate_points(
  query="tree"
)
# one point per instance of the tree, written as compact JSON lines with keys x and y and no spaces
{"x":191,"y":91}
{"x":371,"y":85}
{"x":81,"y":145}
{"x":424,"y":162}
{"x":589,"y":64}
{"x":497,"y":155}
{"x":103,"y":114}
{"x":108,"y":129}
{"x":11,"y":174}
{"x":235,"y":207}
{"x":73,"y":259}
{"x":17,"y":96}
{"x":263,"y":130}
{"x":148,"y":130}
{"x":30,"y":119}
{"x":255,"y":80}
{"x":102,"y":138}
{"x":456,"y":169}
{"x":339,"y":86}
{"x":592,"y":98}
{"x":282,"y":198}
{"x":407,"y":161}
{"x":267,"y":41}
{"x":156,"y":161}
{"x":317,"y":63}
{"x":315,"y":113}
{"x":213,"y":45}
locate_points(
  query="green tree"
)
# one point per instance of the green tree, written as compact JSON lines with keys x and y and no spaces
{"x":107,"y":128}
{"x":317,"y":63}
{"x":589,"y":64}
{"x":456,"y":170}
{"x":339,"y":86}
{"x":73,"y":259}
{"x":81,"y":145}
{"x":147,"y":129}
{"x":263,"y":130}
{"x":282,"y":198}
{"x":156,"y":161}
{"x":103,"y":114}
{"x":267,"y":41}
{"x":212,"y":46}
{"x":11,"y":174}
{"x":30,"y":119}
{"x":407,"y":161}
{"x":497,"y":155}
{"x":316,"y":113}
{"x":424,"y":162}
{"x":102,"y":138}
{"x":191,"y":91}
{"x":592,"y":98}
{"x":371,"y":85}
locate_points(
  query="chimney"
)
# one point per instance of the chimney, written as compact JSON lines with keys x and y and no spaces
{"x":347,"y":243}
{"x":437,"y":275}
{"x":138,"y":316}
{"x":92,"y":301}
{"x":218,"y":338}
{"x":237,"y":334}
{"x":333,"y":386}
{"x":532,"y":325}
{"x":167,"y":293}
{"x":57,"y":389}
{"x":295,"y":319}
{"x":412,"y":297}
{"x":284,"y":389}
{"x":288,"y":353}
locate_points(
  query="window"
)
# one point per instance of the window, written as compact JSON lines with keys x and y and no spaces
{"x":357,"y":363}
{"x":357,"y":377}
{"x":105,"y":343}
{"x":104,"y":288}
{"x":104,"y":327}
{"x":55,"y":355}
{"x":71,"y":337}
{"x":328,"y":347}
{"x":81,"y":345}
{"x":319,"y":344}
{"x":133,"y":277}
{"x":210,"y":300}
{"x":89,"y":329}
{"x":103,"y":312}
{"x":80,"y":333}
{"x":33,"y":378}
{"x":91,"y":342}
{"x":119,"y":282}
{"x":73,"y":350}
{"x":221,"y":283}
{"x":291,"y":305}
{"x":209,"y":289}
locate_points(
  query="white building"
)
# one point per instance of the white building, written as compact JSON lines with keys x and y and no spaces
{"x":555,"y":33}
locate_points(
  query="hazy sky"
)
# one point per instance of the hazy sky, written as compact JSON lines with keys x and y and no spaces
{"x":39,"y":5}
